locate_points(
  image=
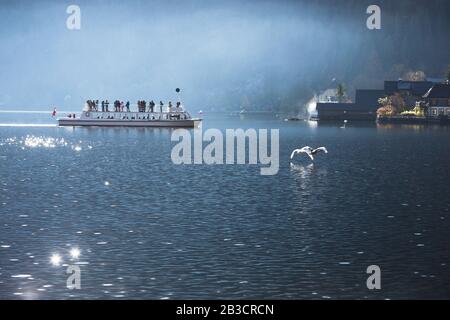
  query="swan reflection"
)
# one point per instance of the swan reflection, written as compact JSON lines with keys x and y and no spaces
{"x":302,"y":171}
{"x":306,"y":174}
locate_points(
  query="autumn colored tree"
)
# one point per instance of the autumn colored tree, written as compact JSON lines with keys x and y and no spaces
{"x":386,"y":109}
{"x":398,"y":103}
{"x":415,"y":76}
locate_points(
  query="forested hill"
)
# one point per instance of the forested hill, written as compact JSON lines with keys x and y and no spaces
{"x":414,"y":36}
{"x":257,"y":54}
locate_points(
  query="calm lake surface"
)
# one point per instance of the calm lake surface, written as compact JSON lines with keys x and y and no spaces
{"x":149,"y":229}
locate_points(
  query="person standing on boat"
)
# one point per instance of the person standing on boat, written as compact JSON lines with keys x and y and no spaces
{"x":128,"y":106}
{"x":170,"y":106}
{"x":151,"y":105}
{"x":103,"y":105}
{"x":144,"y":105}
{"x":161,"y":105}
{"x":107,"y":105}
{"x":121,"y":106}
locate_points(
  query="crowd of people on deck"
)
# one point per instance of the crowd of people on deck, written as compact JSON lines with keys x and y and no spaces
{"x":143,"y":106}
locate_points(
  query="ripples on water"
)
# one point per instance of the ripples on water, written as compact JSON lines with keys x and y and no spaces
{"x":111,"y":202}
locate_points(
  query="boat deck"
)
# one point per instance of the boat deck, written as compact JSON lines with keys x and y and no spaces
{"x":131,"y":119}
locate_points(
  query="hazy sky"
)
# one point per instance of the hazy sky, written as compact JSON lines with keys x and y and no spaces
{"x":145,"y":49}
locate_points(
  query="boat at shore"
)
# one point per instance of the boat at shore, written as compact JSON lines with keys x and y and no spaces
{"x":181,"y":119}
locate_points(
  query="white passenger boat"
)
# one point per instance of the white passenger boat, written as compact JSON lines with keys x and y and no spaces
{"x":131,"y":119}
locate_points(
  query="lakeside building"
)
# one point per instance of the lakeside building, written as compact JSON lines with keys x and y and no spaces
{"x":437,"y":100}
{"x":329,"y":95}
{"x":366,"y":100}
{"x":364,"y":108}
{"x":409,"y":88}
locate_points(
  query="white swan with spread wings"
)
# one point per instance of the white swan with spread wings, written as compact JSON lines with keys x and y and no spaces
{"x":309,"y":151}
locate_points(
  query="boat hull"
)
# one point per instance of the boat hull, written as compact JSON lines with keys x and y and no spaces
{"x":185,"y":123}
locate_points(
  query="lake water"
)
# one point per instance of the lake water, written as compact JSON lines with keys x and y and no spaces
{"x":149,"y":229}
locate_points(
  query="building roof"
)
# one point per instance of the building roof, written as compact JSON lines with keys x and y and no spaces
{"x":436,"y":80}
{"x":417,"y":88}
{"x":438,"y":91}
{"x":368,"y":99}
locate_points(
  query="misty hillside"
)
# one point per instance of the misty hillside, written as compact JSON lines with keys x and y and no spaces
{"x":225,"y":55}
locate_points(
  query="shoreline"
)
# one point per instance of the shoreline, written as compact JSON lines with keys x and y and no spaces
{"x":443,"y":120}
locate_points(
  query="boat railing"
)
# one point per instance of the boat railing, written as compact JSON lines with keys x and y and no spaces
{"x":131,"y":115}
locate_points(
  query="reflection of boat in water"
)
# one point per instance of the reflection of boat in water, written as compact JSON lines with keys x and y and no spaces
{"x":131,"y":119}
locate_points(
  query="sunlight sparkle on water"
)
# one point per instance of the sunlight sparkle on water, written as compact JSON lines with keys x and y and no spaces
{"x":75,"y":253}
{"x":44,"y":142}
{"x":55,"y":259}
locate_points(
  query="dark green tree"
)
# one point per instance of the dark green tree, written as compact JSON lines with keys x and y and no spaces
{"x":340,"y":92}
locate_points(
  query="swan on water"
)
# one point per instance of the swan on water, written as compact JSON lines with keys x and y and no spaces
{"x":309,"y":151}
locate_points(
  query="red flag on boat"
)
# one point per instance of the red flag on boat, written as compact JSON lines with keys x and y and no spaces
{"x":54,"y":112}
